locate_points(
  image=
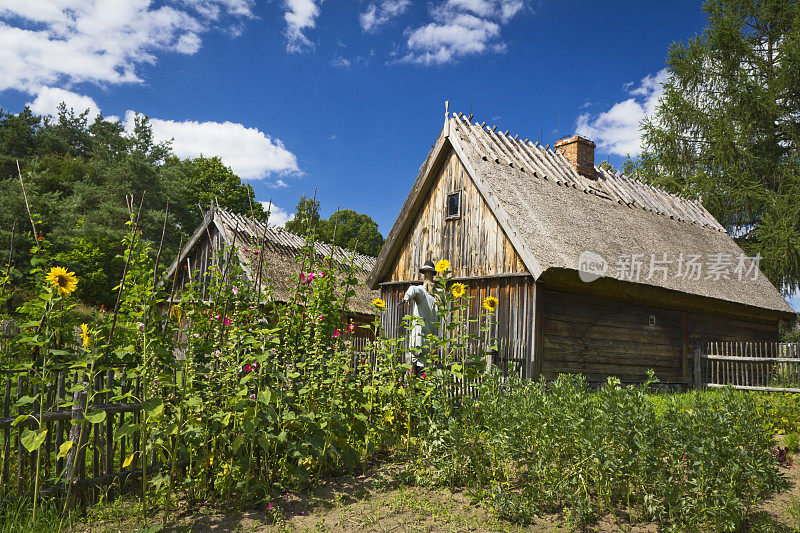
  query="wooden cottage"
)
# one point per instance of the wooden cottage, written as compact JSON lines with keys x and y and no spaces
{"x":596,"y":273}
{"x":266,"y":253}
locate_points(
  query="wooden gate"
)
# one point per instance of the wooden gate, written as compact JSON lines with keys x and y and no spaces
{"x":95,"y":460}
{"x":764,"y":366}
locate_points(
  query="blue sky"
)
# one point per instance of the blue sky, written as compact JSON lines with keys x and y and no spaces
{"x":345,"y":96}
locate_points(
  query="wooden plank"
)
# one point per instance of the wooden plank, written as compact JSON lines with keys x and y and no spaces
{"x":59,"y":425}
{"x":752,"y":388}
{"x":752,"y":360}
{"x":109,"y":425}
{"x":21,"y":388}
{"x":685,"y":344}
{"x":7,"y":435}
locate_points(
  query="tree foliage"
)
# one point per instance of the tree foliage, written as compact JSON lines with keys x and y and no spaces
{"x":77,"y":174}
{"x":727,"y":129}
{"x":346,"y":228}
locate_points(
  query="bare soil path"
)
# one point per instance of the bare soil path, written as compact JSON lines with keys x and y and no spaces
{"x":373,"y":503}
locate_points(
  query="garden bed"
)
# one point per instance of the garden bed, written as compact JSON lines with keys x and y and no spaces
{"x":374,"y":502}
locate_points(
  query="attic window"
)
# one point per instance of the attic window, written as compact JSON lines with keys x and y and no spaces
{"x":652,"y":320}
{"x":453,"y":207}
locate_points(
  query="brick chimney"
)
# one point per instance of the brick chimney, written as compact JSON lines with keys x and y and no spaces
{"x":579,"y":151}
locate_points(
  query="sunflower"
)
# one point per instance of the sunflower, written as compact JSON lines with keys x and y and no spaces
{"x":87,"y":340}
{"x":458,"y":290}
{"x":177,"y":313}
{"x":377,"y":302}
{"x":442,"y":266}
{"x":490,"y":303}
{"x":64,"y":281}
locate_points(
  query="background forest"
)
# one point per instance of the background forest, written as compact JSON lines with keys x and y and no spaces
{"x":77,"y":175}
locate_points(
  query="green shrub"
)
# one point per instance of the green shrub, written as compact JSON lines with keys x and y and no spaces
{"x":792,"y":441}
{"x":782,"y":410}
{"x":688,"y":460}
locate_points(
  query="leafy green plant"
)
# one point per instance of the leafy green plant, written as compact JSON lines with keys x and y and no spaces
{"x":792,"y":441}
{"x":690,"y":462}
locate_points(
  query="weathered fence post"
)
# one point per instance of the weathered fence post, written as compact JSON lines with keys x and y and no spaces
{"x":698,"y":368}
{"x":77,"y":434}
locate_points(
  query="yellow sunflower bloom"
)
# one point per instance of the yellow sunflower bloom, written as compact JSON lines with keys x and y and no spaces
{"x":64,"y":281}
{"x":177,"y":313}
{"x":85,"y":337}
{"x":458,"y":290}
{"x":377,"y":302}
{"x":442,"y":266}
{"x":490,"y":303}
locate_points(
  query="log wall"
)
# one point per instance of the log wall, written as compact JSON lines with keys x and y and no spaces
{"x":602,"y":337}
{"x":474,"y":244}
{"x":512,"y":323}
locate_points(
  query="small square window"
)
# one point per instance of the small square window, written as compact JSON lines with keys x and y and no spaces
{"x":652,"y":320}
{"x":453,"y":207}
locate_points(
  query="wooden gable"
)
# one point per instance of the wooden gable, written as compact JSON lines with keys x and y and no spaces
{"x":474,"y":243}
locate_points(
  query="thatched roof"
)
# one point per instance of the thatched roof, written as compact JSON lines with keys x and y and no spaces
{"x":551,"y":214}
{"x":280,"y":252}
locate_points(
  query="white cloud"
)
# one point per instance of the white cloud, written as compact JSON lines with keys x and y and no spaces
{"x":277,"y":216}
{"x":249,"y":152}
{"x":378,"y":14}
{"x":279,"y":184}
{"x":62,"y":42}
{"x":299,"y":15}
{"x":460,"y":28}
{"x":616,"y":131}
{"x":341,"y":62}
{"x":49,"y":98}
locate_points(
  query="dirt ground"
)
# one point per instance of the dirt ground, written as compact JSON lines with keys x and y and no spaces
{"x":373,"y":503}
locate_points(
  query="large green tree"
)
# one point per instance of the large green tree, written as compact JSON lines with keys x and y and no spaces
{"x":727,"y":129}
{"x":346,"y":228}
{"x":212,"y":180}
{"x":77,"y":174}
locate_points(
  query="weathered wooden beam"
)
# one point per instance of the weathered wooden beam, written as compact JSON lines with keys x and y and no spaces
{"x":743,"y":359}
{"x":752,"y":388}
{"x":66,"y":414}
{"x":538,"y":333}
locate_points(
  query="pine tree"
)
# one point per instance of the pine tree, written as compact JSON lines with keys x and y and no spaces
{"x":727,"y":129}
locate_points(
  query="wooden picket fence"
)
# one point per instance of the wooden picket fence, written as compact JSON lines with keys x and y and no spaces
{"x":757,"y":366}
{"x":95,"y":461}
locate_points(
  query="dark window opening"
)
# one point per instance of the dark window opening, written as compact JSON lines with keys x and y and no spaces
{"x":453,"y":205}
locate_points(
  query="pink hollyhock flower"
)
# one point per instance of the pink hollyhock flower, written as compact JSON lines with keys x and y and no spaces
{"x":248,"y":368}
{"x":336,"y":333}
{"x":235,"y":290}
{"x":218,"y":317}
{"x":227,"y":321}
{"x":246,"y":250}
{"x":351,"y":328}
{"x":252,"y":397}
{"x":302,"y":278}
{"x":321,"y":317}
